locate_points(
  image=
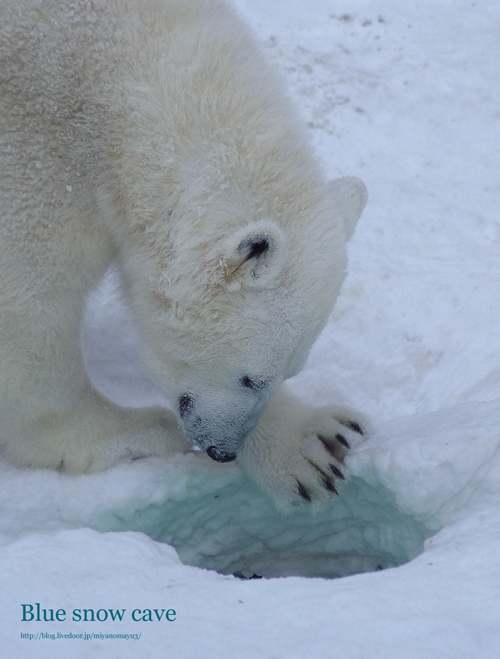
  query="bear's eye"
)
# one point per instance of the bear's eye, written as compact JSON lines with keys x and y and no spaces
{"x":186,"y":404}
{"x":254,"y":248}
{"x":251,"y":383}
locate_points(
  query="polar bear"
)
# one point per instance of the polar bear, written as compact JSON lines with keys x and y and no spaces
{"x":152,"y":134}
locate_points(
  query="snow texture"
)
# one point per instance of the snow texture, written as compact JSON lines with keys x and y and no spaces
{"x":403,"y":95}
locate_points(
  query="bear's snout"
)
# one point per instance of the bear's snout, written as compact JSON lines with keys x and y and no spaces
{"x":218,"y":423}
{"x":220,"y":456}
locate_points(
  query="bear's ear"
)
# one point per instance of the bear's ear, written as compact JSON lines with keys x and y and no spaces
{"x":349,"y":198}
{"x":254,"y":255}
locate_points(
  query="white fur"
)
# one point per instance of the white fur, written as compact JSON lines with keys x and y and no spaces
{"x":152,"y":133}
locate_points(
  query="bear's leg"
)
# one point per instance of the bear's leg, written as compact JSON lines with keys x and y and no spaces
{"x":50,"y":415}
{"x":297,"y":451}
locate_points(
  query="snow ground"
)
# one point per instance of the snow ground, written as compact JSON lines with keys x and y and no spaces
{"x":405,"y":96}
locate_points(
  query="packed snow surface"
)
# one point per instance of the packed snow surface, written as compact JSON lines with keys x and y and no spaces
{"x":404,"y":95}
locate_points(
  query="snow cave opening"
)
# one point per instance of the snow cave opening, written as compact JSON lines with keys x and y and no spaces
{"x":235,"y":529}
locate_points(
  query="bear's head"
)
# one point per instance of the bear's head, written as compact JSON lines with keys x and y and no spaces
{"x":232,"y":307}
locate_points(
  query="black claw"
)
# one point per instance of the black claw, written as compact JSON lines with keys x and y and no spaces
{"x":325,"y":478}
{"x":328,"y":444}
{"x":327,"y":483}
{"x":303,"y":492}
{"x":336,"y":472}
{"x":342,"y":440}
{"x":353,"y":425}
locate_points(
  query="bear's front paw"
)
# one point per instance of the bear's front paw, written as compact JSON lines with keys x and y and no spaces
{"x":298,"y":452}
{"x":319,"y":462}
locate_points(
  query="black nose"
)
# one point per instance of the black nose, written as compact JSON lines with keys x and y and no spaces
{"x":220,"y":456}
